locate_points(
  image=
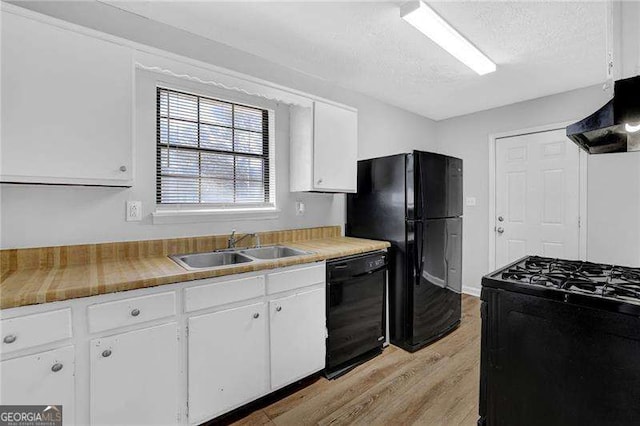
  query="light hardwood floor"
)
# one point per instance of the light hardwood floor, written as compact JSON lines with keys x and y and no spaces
{"x":437,"y":385}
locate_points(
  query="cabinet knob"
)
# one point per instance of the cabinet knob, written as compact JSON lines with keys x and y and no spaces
{"x":10,"y":338}
{"x":106,"y":353}
{"x":279,"y":308}
{"x":319,"y":181}
{"x":256,"y":315}
{"x":56,"y":367}
{"x":135,"y":312}
{"x":123,"y":168}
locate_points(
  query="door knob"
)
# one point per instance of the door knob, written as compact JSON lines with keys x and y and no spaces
{"x":500,"y":230}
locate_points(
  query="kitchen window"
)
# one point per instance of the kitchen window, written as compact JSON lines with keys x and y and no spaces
{"x":212,"y":153}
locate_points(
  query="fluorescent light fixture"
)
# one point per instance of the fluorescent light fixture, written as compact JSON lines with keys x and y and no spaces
{"x":631,"y":128}
{"x":429,"y":23}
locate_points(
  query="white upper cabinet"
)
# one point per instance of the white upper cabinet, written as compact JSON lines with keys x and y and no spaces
{"x":324,"y":148}
{"x":66,"y":106}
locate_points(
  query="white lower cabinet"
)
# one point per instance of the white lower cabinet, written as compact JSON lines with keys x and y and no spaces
{"x":45,"y":378}
{"x":134,"y":377}
{"x":297,"y":329}
{"x":227,"y":360}
{"x":246,"y":337}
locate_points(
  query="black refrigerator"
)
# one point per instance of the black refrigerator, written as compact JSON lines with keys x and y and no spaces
{"x":414,"y":201}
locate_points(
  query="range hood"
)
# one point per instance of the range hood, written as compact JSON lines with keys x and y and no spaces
{"x":616,"y":126}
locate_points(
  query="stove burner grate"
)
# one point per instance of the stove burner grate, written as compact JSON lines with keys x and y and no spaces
{"x":576,"y":276}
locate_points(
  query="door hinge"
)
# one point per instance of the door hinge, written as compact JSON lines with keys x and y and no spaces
{"x":579,"y":222}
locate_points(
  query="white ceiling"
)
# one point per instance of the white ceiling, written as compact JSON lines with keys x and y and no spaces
{"x":541,"y":48}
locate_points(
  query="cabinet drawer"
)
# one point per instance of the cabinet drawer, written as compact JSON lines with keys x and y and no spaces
{"x":296,"y":278}
{"x":109,"y":315}
{"x":34,"y":330}
{"x":220,"y":293}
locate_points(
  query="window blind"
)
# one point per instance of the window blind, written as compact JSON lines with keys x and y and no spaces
{"x":211,"y":151}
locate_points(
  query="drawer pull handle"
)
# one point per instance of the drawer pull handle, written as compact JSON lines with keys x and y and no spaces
{"x":106,"y":353}
{"x":256,"y":315}
{"x":10,"y":338}
{"x":56,"y":367}
{"x":135,"y":312}
{"x":279,"y":308}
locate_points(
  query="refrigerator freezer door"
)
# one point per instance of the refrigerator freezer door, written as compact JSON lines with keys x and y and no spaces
{"x":437,"y":186}
{"x":437,"y":285}
{"x":377,"y":210}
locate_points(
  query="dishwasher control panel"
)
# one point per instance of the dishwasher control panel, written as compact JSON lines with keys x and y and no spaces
{"x":376,"y":263}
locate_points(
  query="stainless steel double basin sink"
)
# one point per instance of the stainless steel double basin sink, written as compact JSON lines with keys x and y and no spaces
{"x":218,"y":259}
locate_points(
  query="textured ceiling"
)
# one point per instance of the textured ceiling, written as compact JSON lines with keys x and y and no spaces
{"x":540,"y":48}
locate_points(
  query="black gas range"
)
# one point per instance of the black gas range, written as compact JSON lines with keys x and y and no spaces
{"x":560,"y":344}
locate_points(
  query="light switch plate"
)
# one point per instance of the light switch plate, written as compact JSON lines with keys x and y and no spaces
{"x":299,"y":208}
{"x":134,"y":211}
{"x":471,"y":201}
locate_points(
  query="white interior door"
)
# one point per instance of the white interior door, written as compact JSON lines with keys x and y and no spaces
{"x":537,"y":197}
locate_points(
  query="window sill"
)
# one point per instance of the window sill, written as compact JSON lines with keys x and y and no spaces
{"x":162,"y":216}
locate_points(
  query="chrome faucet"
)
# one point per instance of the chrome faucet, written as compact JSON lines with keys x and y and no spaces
{"x":233,"y":241}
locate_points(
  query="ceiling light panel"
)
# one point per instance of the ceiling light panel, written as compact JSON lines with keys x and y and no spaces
{"x":428,"y":22}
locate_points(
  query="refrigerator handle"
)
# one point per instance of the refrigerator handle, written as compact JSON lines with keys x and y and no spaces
{"x":419,"y":199}
{"x":447,"y":254}
{"x":419,"y":263}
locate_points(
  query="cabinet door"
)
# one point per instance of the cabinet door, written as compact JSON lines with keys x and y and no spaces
{"x":335,"y":148}
{"x":134,"y":377}
{"x":46,"y":378}
{"x":66,"y":106}
{"x":227,"y":360}
{"x":297,"y":336}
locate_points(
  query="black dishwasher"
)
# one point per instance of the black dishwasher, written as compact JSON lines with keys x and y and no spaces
{"x":355,"y":310}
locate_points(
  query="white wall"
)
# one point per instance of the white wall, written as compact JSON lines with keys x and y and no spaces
{"x":614,"y":209}
{"x":613,"y":228}
{"x":55,"y":215}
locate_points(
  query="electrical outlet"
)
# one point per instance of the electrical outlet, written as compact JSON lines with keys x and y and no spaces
{"x":134,"y":211}
{"x":299,"y":208}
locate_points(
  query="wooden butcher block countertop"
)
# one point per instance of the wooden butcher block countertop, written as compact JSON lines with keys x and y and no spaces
{"x":55,"y":280}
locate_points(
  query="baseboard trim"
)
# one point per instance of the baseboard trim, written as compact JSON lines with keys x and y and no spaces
{"x":472,"y":291}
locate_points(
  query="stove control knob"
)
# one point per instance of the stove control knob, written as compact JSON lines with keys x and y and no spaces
{"x":500,"y":230}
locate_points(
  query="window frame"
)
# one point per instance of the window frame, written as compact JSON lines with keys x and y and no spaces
{"x":268,"y":156}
